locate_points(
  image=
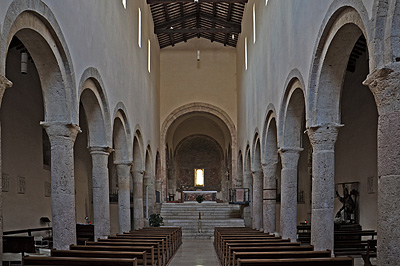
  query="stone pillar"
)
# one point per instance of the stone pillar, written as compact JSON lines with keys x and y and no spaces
{"x":247,"y":177}
{"x":124,"y":197}
{"x":269,"y":196}
{"x":101,"y":196}
{"x":323,"y":138}
{"x":257,"y":222}
{"x":384,"y":84}
{"x":62,"y":137}
{"x":290,"y":159}
{"x":4,"y":84}
{"x":138,"y":221}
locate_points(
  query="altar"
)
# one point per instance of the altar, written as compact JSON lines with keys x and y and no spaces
{"x":192,"y":195}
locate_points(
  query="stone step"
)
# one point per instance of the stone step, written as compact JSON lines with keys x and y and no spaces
{"x":186,"y":216}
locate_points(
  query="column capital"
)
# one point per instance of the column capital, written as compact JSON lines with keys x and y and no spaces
{"x":323,"y":136}
{"x":140,"y":172}
{"x":100,"y":150}
{"x":58,"y":130}
{"x":123,"y":162}
{"x":384,"y":83}
{"x":5,"y":83}
{"x":290,"y":156}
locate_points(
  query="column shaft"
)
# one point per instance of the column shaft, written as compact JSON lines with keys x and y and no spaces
{"x":257,"y":200}
{"x":288,"y":221}
{"x":247,"y":183}
{"x":124,"y":198}
{"x":62,"y":138}
{"x":138,"y":221}
{"x":384,"y":84}
{"x":323,"y":140}
{"x":101,"y":197}
{"x":269,"y":197}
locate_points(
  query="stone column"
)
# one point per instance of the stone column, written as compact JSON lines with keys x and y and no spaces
{"x":323,"y":138}
{"x":269,"y":196}
{"x":247,"y":183}
{"x":257,"y":222}
{"x":124,"y":197}
{"x":385,"y":85}
{"x":62,"y":137}
{"x":290,"y":159}
{"x":101,"y":196}
{"x":138,"y":220}
{"x":4,"y":84}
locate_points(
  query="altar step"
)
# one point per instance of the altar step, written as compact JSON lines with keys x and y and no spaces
{"x":186,"y":215}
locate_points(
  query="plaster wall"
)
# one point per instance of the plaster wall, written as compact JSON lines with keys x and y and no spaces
{"x":103,"y":35}
{"x":286,"y":35}
{"x":21,"y":112}
{"x":185,"y":80}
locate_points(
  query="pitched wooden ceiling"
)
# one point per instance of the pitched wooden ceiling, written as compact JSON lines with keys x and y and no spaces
{"x":180,"y":20}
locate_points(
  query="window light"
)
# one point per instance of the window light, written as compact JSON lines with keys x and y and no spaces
{"x":148,"y":56}
{"x":140,"y":28}
{"x":199,"y":177}
{"x":124,"y":3}
{"x":254,"y":23}
{"x":245,"y":53}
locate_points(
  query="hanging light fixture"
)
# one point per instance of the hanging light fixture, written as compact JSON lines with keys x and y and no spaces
{"x":24,"y":62}
{"x":198,"y":55}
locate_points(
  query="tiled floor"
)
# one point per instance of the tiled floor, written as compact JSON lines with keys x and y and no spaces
{"x":195,"y":253}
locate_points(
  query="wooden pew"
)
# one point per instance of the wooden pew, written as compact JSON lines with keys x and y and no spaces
{"x":280,"y":255}
{"x":161,"y":241}
{"x":246,"y":241}
{"x":229,"y":257}
{"x":158,"y":256}
{"x":64,"y":261}
{"x":149,"y":250}
{"x":297,"y":262}
{"x":141,"y":256}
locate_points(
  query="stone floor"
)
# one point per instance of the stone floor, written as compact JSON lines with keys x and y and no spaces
{"x":202,"y":253}
{"x":195,"y":253}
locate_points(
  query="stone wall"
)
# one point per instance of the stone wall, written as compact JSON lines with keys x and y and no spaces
{"x":199,"y":152}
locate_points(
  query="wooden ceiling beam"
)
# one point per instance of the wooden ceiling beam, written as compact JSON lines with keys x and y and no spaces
{"x":192,"y":1}
{"x":228,"y":18}
{"x":213,"y":24}
{"x":198,"y":30}
{"x":175,"y":21}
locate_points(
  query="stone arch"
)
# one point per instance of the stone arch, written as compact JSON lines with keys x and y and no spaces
{"x":138,"y":150}
{"x":124,"y":138}
{"x":119,"y":166}
{"x":94,"y":99}
{"x":389,"y":41}
{"x":248,"y":183}
{"x":257,"y":173}
{"x":239,"y":180}
{"x":270,"y":170}
{"x":380,"y":34}
{"x":291,"y":127}
{"x":291,"y":114}
{"x":148,"y":183}
{"x":158,"y":185}
{"x":35,"y":25}
{"x":256,"y":154}
{"x":344,"y":23}
{"x":137,"y":176}
{"x":197,"y":107}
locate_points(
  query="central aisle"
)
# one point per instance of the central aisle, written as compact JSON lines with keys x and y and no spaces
{"x":195,"y":253}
